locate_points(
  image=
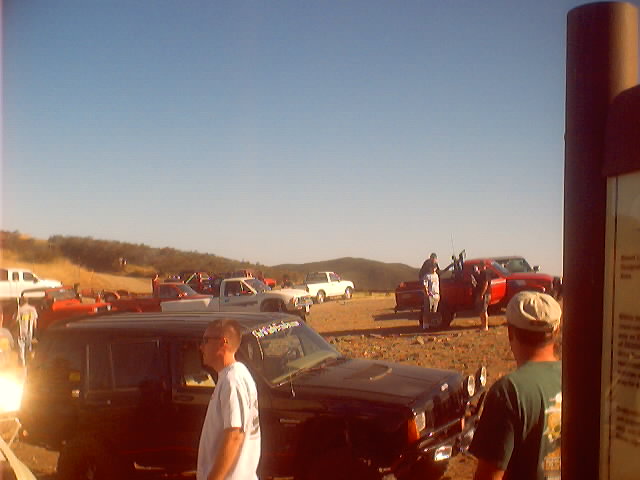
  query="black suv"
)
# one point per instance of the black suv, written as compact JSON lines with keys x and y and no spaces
{"x":129,"y":388}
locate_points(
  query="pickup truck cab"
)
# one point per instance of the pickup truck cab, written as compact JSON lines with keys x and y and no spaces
{"x":166,"y":292}
{"x":59,"y":304}
{"x":247,"y":294}
{"x":516,"y":264}
{"x":323,"y":285}
{"x":13,"y":281}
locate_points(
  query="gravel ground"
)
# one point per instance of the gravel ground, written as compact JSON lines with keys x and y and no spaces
{"x":367,"y":327}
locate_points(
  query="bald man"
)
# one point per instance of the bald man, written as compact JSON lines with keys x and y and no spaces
{"x":230,"y":440}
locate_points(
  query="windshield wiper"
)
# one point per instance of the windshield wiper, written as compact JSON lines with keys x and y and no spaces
{"x":322,"y":364}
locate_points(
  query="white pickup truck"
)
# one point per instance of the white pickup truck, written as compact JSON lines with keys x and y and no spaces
{"x":323,"y":285}
{"x":13,"y":281}
{"x":246,"y":294}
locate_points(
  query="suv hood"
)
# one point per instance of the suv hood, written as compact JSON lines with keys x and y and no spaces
{"x":374,"y":381}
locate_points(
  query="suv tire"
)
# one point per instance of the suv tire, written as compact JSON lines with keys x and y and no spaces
{"x":348,"y":293}
{"x":85,"y":458}
{"x":320,"y":296}
{"x":339,"y":464}
{"x":426,"y":470}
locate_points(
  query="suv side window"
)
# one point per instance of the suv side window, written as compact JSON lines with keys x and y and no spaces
{"x":190,"y":372}
{"x":333,"y":277}
{"x":99,"y":368}
{"x":60,"y":363}
{"x":135,"y":364}
{"x":4,"y":275}
{"x":28,"y":277}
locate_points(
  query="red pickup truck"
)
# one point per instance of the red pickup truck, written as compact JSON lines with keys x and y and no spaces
{"x":60,"y":303}
{"x":166,"y":292}
{"x":456,"y":288}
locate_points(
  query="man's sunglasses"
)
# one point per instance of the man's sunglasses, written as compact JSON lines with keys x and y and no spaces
{"x":206,"y":339}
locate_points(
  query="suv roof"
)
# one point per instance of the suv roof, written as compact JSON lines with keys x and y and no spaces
{"x":165,"y":322}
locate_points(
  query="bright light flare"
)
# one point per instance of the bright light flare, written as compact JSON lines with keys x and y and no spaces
{"x":10,"y":393}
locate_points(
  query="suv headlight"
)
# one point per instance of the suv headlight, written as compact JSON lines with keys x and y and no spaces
{"x":416,"y":425}
{"x":470,"y":385}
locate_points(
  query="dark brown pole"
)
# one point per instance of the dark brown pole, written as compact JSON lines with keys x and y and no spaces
{"x":601,"y":41}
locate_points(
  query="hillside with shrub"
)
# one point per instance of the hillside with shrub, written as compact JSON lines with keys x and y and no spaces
{"x":89,"y":257}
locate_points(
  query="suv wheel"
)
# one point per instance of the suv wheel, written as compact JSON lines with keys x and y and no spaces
{"x":348,"y":293}
{"x":340,"y":464}
{"x":320,"y":296}
{"x":86,"y":458}
{"x":425,"y":470}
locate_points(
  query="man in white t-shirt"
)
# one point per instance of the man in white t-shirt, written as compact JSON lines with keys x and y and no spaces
{"x":230,"y":439}
{"x":431,"y":297}
{"x":27,"y":321}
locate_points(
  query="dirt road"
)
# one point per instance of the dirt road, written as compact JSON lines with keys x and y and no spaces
{"x":367,"y":327}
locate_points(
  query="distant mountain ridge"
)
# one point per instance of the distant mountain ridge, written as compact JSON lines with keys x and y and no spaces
{"x":142,"y":261}
{"x":365,"y":274}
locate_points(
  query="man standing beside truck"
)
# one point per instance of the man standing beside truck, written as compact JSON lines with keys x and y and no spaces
{"x":431,"y":297}
{"x":27,"y":321}
{"x":430,"y":262}
{"x":482,"y":293}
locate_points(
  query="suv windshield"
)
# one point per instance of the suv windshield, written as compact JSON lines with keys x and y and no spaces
{"x":284,"y":349}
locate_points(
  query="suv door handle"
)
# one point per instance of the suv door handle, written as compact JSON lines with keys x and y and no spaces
{"x":289,"y":421}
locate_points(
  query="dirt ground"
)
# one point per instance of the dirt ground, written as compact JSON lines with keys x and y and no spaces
{"x":367,"y":327}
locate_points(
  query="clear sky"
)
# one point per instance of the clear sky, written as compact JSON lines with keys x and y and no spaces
{"x":289,"y":131}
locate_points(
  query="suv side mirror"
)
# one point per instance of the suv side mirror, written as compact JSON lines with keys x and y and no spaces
{"x":536,"y":268}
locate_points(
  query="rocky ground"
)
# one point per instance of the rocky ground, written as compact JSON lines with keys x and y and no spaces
{"x":367,"y":327}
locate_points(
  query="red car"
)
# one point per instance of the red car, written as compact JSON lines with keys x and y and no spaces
{"x":166,"y":292}
{"x":60,"y":303}
{"x":456,"y":288}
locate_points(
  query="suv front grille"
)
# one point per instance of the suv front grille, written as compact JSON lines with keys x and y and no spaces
{"x":445,"y":408}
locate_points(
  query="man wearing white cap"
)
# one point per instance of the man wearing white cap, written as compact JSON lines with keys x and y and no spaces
{"x":518,"y":436}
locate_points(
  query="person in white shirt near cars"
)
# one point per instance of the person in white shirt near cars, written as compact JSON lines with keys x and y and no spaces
{"x":27,"y":321}
{"x":230,"y":440}
{"x":431,"y":297}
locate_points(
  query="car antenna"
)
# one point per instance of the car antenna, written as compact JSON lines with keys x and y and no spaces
{"x":453,"y":250}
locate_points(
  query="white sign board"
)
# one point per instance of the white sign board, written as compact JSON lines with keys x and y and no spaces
{"x":620,"y":394}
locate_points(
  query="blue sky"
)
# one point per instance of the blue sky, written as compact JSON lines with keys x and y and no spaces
{"x":287,"y":131}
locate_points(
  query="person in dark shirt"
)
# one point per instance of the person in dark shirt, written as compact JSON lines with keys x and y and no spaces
{"x":429,"y":264}
{"x":482,"y":294}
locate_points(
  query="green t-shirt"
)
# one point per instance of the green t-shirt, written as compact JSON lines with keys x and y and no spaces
{"x":519,"y":430}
